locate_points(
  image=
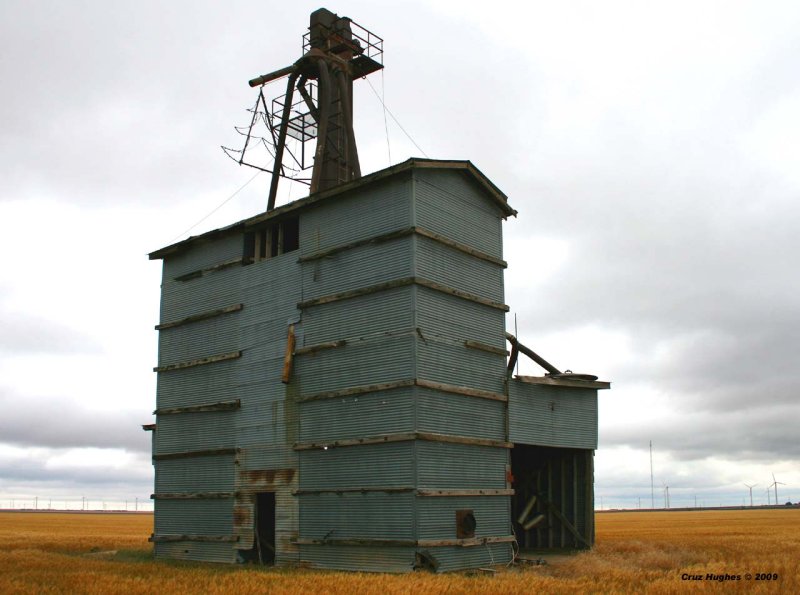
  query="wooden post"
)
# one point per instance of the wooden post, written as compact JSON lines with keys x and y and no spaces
{"x":288,"y":356}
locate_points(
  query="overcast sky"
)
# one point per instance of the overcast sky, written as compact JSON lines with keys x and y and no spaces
{"x":651,"y":150}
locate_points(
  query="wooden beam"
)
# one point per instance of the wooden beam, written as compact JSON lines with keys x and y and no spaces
{"x":404,"y":437}
{"x":212,"y":269}
{"x":569,"y":382}
{"x":565,"y":523}
{"x":460,"y":247}
{"x":361,"y":490}
{"x":403,"y":282}
{"x":461,"y":390}
{"x":195,"y":453}
{"x":288,"y":356}
{"x":221,"y":406}
{"x":199,"y":362}
{"x":198,"y":317}
{"x":192,"y":495}
{"x":356,"y":390}
{"x":195,"y":537}
{"x":320,"y":347}
{"x":463,"y":440}
{"x":386,"y":237}
{"x":369,"y":541}
{"x":469,"y":542}
{"x":458,"y":493}
{"x":484,"y":347}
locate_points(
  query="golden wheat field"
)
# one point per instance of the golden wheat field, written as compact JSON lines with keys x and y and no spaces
{"x":647,"y":552}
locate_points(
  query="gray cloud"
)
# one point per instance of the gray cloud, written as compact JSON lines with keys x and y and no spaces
{"x":64,"y":423}
{"x":25,"y":334}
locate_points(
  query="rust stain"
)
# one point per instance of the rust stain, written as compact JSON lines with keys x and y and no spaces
{"x":266,"y":478}
{"x":241,"y":516}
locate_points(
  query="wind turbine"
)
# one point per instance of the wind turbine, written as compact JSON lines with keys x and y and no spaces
{"x":751,"y":492}
{"x":775,"y":483}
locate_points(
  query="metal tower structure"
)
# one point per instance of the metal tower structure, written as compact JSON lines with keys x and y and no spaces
{"x":335,"y":51}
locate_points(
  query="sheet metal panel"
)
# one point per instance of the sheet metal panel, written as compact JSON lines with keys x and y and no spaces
{"x":267,"y":456}
{"x":436,"y":516}
{"x":459,"y":415}
{"x":452,"y":558}
{"x":180,"y":299}
{"x":358,"y":267}
{"x":198,"y":339}
{"x":201,"y":517}
{"x":361,"y":214}
{"x":453,"y":268}
{"x":199,"y":474}
{"x":371,"y":465}
{"x":370,"y":414}
{"x":195,"y":386}
{"x":204,"y":255}
{"x":359,"y":558}
{"x":460,"y":466}
{"x":460,"y":365}
{"x":552,"y":415}
{"x":449,"y":316}
{"x":449,"y":204}
{"x":357,"y":515}
{"x":196,"y":551}
{"x":357,"y":363}
{"x":195,"y":431}
{"x":389,"y":311}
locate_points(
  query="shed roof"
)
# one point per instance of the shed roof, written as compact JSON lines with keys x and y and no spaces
{"x":492,"y":191}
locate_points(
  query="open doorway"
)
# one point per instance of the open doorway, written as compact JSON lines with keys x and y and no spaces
{"x":553,"y":505}
{"x":263,"y":550}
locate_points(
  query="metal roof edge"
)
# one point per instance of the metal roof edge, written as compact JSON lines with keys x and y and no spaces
{"x":496,"y":194}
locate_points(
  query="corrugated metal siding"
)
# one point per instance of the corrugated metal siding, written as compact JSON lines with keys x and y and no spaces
{"x":552,"y":415}
{"x":460,"y":466}
{"x":196,"y":551}
{"x":198,"y":339}
{"x":452,"y":558}
{"x":357,"y":516}
{"x":372,"y":465}
{"x":195,"y":431}
{"x":389,"y":311}
{"x":436,"y":517}
{"x":359,"y":267}
{"x":180,"y":299}
{"x":355,"y":364}
{"x":199,"y":474}
{"x":364,"y":213}
{"x":359,"y":558}
{"x":459,"y":365}
{"x":459,"y":415}
{"x":448,"y":204}
{"x":370,"y":414}
{"x":450,"y":316}
{"x":453,"y":268}
{"x":267,"y":456}
{"x":201,"y":517}
{"x":203,"y":255}
{"x":211,"y":383}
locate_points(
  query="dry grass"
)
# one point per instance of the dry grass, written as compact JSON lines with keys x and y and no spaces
{"x":635,"y":553}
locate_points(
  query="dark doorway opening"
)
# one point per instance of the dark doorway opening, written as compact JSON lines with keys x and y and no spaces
{"x":263,"y":550}
{"x":553,"y":504}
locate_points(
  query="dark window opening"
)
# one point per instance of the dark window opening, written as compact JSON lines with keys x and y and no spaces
{"x":263,"y":550}
{"x":273,"y":240}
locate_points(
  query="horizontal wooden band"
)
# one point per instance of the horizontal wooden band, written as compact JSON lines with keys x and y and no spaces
{"x":386,"y":237}
{"x":403,"y":282}
{"x":221,"y":406}
{"x":195,"y":453}
{"x":484,"y":347}
{"x":199,"y":317}
{"x":362,"y":490}
{"x":422,"y":383}
{"x":320,"y":347}
{"x":570,"y":382}
{"x":192,"y":495}
{"x":212,"y":359}
{"x":194,"y":537}
{"x":402,"y":437}
{"x":458,"y":493}
{"x":200,"y":272}
{"x":369,"y":541}
{"x":460,"y":247}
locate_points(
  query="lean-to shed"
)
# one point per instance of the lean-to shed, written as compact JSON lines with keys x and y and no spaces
{"x":333,"y":388}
